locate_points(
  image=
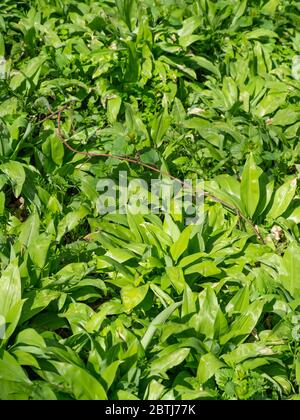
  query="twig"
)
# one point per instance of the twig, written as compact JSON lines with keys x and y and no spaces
{"x":152,"y":168}
{"x":109,"y":155}
{"x":53,"y":114}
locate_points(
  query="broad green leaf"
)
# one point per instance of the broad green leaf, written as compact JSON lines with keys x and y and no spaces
{"x":188,"y":302}
{"x":133,"y":296}
{"x":189,"y":25}
{"x":266,"y":193}
{"x":150,"y":157}
{"x":231,"y":186}
{"x":242,"y":327}
{"x":295,"y":215}
{"x":10,"y":288}
{"x":159,"y":128}
{"x":156,"y":322}
{"x":154,"y":390}
{"x":83,"y":385}
{"x":10,"y":370}
{"x":36,"y":301}
{"x":171,"y":228}
{"x":250,"y":189}
{"x":270,"y":103}
{"x":282,"y":199}
{"x":30,"y":230}
{"x":54,"y":149}
{"x":239,"y":303}
{"x":270,"y":7}
{"x":209,"y":364}
{"x":33,"y":66}
{"x":246,"y":351}
{"x":120,"y":255}
{"x":206,"y":64}
{"x":285,"y":117}
{"x":169,"y":360}
{"x":219,"y":193}
{"x":38,"y":250}
{"x":113,"y":108}
{"x":261,"y":33}
{"x":190,"y":259}
{"x":176,"y":277}
{"x":181,"y":244}
{"x":78,"y":314}
{"x":16,"y":174}
{"x":205,"y":268}
{"x":109,"y":373}
{"x":126,"y":396}
{"x":12,"y":318}
{"x":298,"y":370}
{"x":211,"y":320}
{"x":230,"y":92}
{"x":70,"y":221}
{"x":290,"y":275}
{"x":30,"y":337}
{"x":239,"y":11}
{"x":2,"y":46}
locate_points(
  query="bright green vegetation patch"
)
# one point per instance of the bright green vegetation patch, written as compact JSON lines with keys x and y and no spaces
{"x":124,"y":306}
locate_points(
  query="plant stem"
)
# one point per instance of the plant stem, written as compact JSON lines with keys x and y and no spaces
{"x":152,"y":168}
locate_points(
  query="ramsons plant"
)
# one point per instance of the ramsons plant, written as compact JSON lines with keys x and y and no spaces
{"x":141,"y":305}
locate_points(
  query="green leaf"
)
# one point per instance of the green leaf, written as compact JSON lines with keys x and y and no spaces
{"x":169,"y":360}
{"x":246,"y":351}
{"x":30,"y":230}
{"x":239,"y":303}
{"x":151,"y":157}
{"x":10,"y":288}
{"x":113,"y":108}
{"x":285,"y":117}
{"x":205,"y":268}
{"x":2,"y":203}
{"x":70,"y":221}
{"x":133,"y":296}
{"x":30,"y":337}
{"x":10,"y":370}
{"x":176,"y":277}
{"x":261,"y":33}
{"x":154,"y":390}
{"x":83,"y":385}
{"x":16,"y":174}
{"x":36,"y":301}
{"x":189,"y":26}
{"x":270,"y":103}
{"x":209,"y":364}
{"x":282,"y":199}
{"x":38,"y":250}
{"x":159,"y":128}
{"x":12,"y":319}
{"x":250,"y":188}
{"x":245,"y":323}
{"x":109,"y":373}
{"x":206,"y":64}
{"x":290,"y":274}
{"x":211,"y":320}
{"x":188,"y":302}
{"x":178,"y":248}
{"x":156,"y":322}
{"x":54,"y":149}
{"x":126,"y":396}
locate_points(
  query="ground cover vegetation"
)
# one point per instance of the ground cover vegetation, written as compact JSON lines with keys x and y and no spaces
{"x":133,"y":306}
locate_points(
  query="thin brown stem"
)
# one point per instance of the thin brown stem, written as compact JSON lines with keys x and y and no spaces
{"x":152,"y":168}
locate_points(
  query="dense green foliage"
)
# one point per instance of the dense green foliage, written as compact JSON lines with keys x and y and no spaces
{"x":143,"y":307}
